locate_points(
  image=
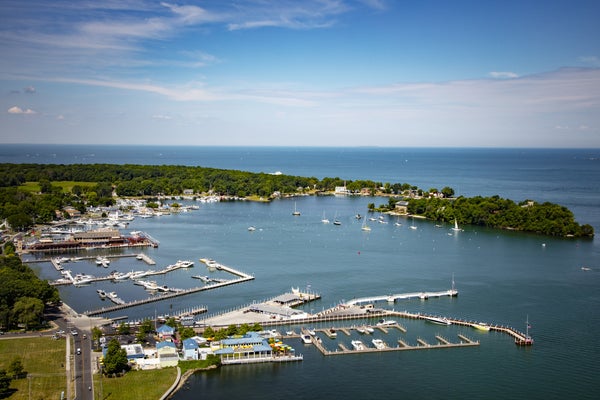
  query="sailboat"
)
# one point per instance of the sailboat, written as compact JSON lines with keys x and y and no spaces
{"x":336,"y":221}
{"x":527,"y":340}
{"x":296,"y":212}
{"x":324,"y":219}
{"x":456,"y":228}
{"x":413,"y":224}
{"x":365,"y":227}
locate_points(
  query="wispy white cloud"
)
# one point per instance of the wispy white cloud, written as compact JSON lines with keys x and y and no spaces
{"x":503,"y":75}
{"x":19,"y":110}
{"x":590,"y":60}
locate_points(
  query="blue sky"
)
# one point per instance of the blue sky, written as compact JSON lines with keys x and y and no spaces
{"x":301,"y":73}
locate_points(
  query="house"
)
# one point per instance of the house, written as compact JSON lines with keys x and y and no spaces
{"x":165,"y":332}
{"x":402,"y":207}
{"x":167,"y":354}
{"x":133,"y":351}
{"x":190,"y":349}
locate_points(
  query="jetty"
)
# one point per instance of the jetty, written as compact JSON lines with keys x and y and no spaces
{"x":391,"y":298}
{"x":442,"y":343}
{"x":242,"y":277}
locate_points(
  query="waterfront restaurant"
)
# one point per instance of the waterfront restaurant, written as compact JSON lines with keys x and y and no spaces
{"x":251,"y":347}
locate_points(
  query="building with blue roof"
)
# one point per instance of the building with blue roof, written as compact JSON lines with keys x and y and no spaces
{"x":190,"y":349}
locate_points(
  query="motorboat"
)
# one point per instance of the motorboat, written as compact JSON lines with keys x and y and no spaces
{"x":386,"y":322}
{"x":358,"y":345}
{"x":482,"y":326}
{"x":379,"y":344}
{"x":251,"y":229}
{"x":307,"y":339}
{"x":101,"y":293}
{"x":437,"y":320}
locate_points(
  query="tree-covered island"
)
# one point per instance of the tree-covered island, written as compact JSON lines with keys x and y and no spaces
{"x":36,"y":193}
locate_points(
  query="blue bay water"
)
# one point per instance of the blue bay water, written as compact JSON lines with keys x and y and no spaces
{"x":502,"y":277}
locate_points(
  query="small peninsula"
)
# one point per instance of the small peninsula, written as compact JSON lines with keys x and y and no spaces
{"x":35,"y":192}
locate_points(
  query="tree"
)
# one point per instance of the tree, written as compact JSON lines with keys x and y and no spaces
{"x":123,"y":329}
{"x":5,"y":380}
{"x":28,"y":311}
{"x":116,"y":358}
{"x":448,"y":192}
{"x":15,"y":368}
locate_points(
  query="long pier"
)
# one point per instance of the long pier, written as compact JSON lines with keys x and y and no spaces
{"x":391,"y":298}
{"x":443,"y":343}
{"x":243,"y":277}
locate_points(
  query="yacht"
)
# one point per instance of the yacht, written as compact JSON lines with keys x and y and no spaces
{"x":332,"y":333}
{"x":379,"y":344}
{"x":386,"y":322}
{"x":324,"y":219}
{"x":481,"y":326}
{"x":438,"y":320}
{"x":307,"y":339}
{"x":358,"y":345}
{"x":101,"y":293}
{"x":251,"y":229}
{"x":296,"y":212}
{"x":365,"y":227}
{"x":456,"y":228}
{"x":121,"y":276}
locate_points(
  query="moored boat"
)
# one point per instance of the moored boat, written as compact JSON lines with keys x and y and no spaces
{"x":358,"y":345}
{"x":437,"y":320}
{"x":379,"y":344}
{"x":386,"y":322}
{"x":482,"y":326}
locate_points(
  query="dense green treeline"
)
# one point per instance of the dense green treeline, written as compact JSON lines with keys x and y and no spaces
{"x":495,"y":212}
{"x":21,"y":209}
{"x":23,"y":295}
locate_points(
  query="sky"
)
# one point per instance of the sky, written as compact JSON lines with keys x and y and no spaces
{"x":301,"y":73}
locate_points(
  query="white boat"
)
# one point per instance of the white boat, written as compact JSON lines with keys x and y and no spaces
{"x":369,"y":329}
{"x":185,"y":263}
{"x":365,"y":227}
{"x":332,"y":333}
{"x":358,"y":345}
{"x":379,"y":344}
{"x":311,"y":332}
{"x":140,"y":256}
{"x":101,"y":293}
{"x":307,"y":339}
{"x":296,"y":212}
{"x":437,"y":320}
{"x":386,"y":322}
{"x":324,"y":219}
{"x":137,"y":274}
{"x":121,"y":276}
{"x":456,"y":228}
{"x":251,"y":229}
{"x":361,"y":330}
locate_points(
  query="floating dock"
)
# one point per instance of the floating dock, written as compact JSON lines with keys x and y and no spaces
{"x":243,"y":277}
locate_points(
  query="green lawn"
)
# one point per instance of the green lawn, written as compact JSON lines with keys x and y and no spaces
{"x":135,"y":385}
{"x":44,"y":359}
{"x":67,"y":186}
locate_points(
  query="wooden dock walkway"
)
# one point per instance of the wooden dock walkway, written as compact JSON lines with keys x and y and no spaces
{"x":242,"y":278}
{"x":402,"y":346}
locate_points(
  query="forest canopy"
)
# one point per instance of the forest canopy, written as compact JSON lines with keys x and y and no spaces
{"x":83,"y":185}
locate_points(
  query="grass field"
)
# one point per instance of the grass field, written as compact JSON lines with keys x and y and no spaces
{"x":135,"y":385}
{"x":44,"y":361}
{"x":67,"y":186}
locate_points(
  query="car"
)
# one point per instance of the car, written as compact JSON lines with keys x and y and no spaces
{"x":84,"y":336}
{"x":61,"y":332}
{"x":74,"y":332}
{"x":78,"y":351}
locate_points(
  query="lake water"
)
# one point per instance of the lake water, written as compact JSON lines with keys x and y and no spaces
{"x":502,"y":277}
